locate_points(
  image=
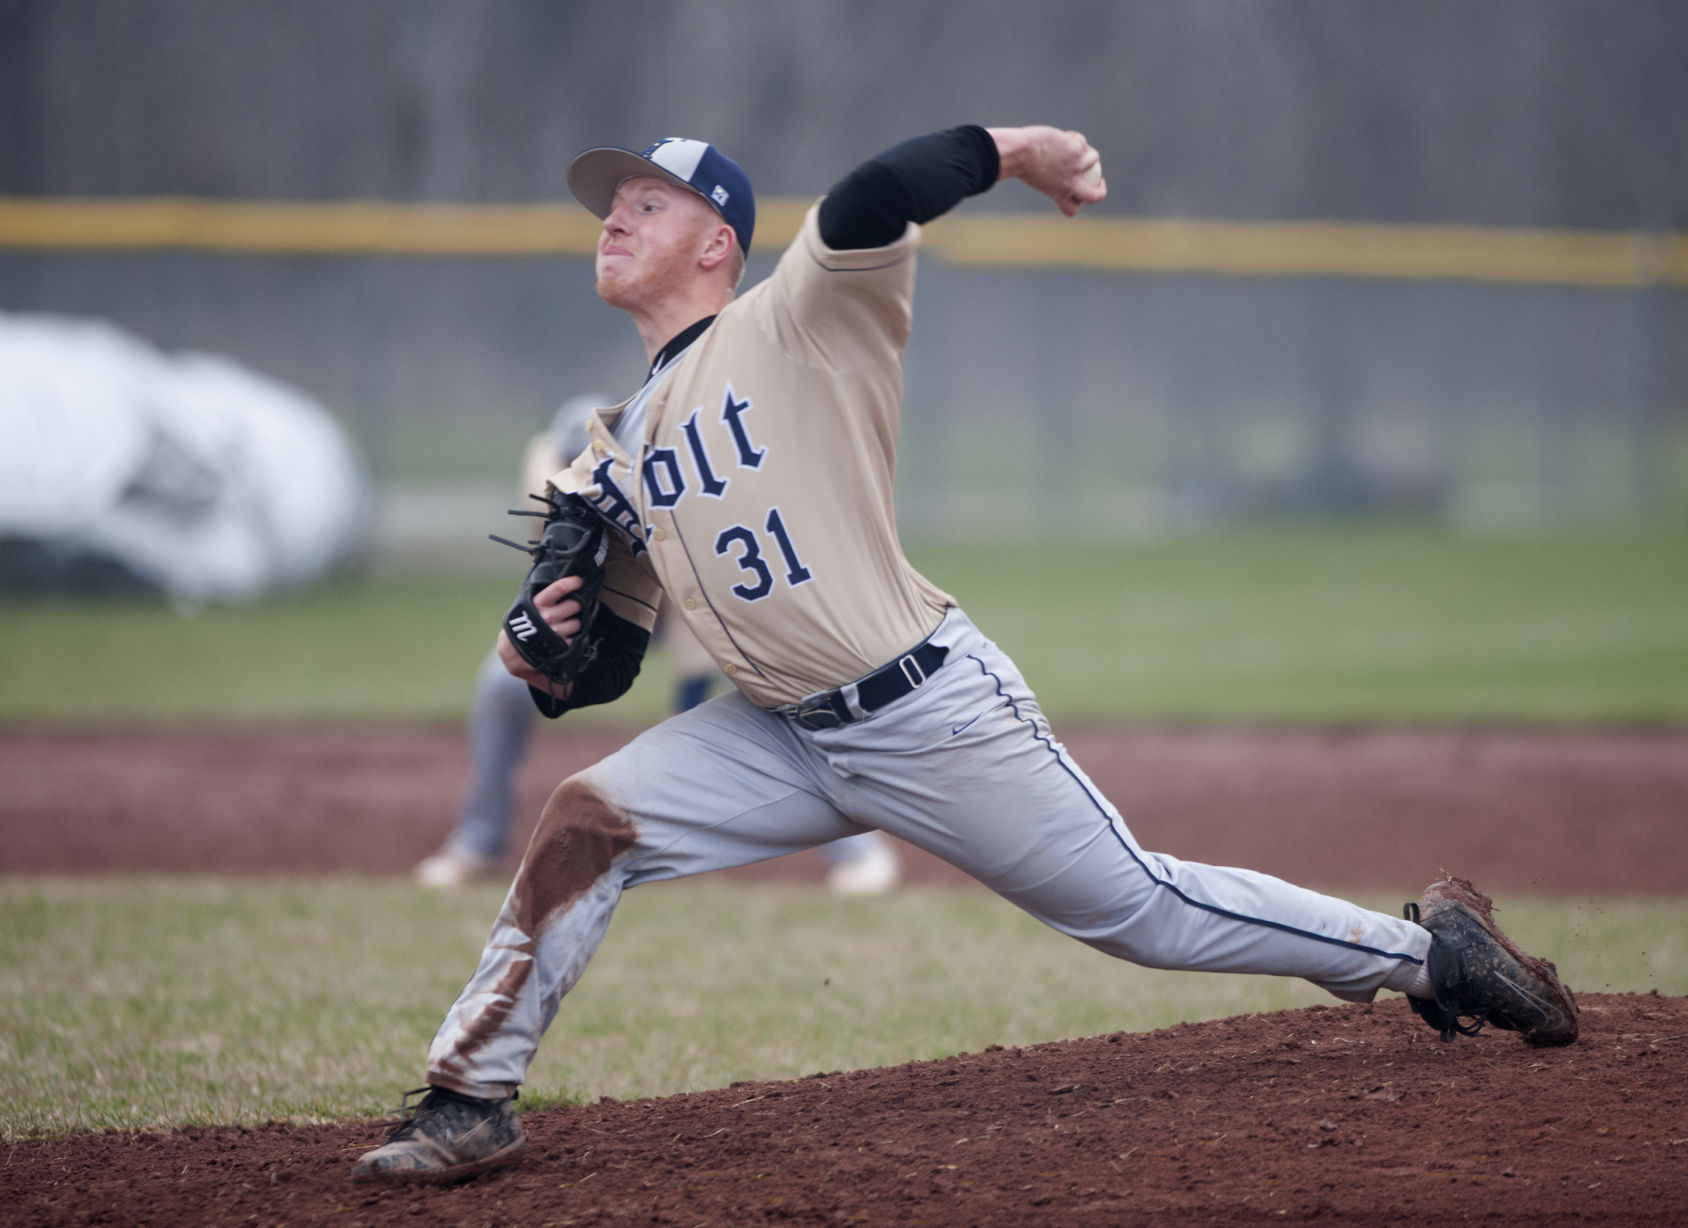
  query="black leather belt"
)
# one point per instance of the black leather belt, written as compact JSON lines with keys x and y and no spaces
{"x":890,"y":682}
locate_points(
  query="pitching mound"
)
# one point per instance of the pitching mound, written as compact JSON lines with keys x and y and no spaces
{"x":1344,"y":1115}
{"x":1350,"y":1115}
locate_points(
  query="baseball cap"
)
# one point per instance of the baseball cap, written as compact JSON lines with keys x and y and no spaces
{"x":595,"y":174}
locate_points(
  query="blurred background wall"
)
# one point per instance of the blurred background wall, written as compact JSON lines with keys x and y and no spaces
{"x":1095,"y":400}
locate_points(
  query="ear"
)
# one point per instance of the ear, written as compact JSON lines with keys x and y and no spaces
{"x":717,"y":247}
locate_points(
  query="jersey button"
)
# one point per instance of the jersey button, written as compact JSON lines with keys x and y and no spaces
{"x":691,"y":603}
{"x":730,"y":670}
{"x":657,"y":535}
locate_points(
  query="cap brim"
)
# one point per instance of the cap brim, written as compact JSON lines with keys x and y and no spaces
{"x":595,"y":174}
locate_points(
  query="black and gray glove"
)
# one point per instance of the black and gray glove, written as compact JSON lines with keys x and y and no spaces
{"x":572,"y":543}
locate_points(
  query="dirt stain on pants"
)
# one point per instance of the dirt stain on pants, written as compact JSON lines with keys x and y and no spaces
{"x":576,"y":842}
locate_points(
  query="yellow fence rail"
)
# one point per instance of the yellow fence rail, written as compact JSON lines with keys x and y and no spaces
{"x":1517,"y":256}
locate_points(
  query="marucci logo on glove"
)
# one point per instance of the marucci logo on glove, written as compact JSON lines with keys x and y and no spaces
{"x":521,"y":626}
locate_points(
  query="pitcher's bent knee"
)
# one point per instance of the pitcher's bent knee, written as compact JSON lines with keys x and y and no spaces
{"x":576,"y":842}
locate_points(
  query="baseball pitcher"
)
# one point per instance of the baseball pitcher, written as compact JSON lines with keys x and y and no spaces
{"x":747,"y":483}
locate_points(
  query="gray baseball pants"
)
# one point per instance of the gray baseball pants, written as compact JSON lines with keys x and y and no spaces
{"x":964,"y":767}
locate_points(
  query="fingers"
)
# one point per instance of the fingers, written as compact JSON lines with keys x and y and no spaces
{"x":561,"y":613}
{"x":563,"y":624}
{"x":512,"y":661}
{"x":1058,"y":162}
{"x":554,"y":592}
{"x":1086,"y":185}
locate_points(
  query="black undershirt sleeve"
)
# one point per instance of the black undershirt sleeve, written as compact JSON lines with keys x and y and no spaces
{"x":621,"y":650}
{"x":916,"y":181}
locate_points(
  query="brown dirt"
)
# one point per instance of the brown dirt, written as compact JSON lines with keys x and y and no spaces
{"x":1344,"y":1115}
{"x":1384,"y":810}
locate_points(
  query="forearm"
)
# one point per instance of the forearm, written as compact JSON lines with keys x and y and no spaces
{"x":926,"y":177}
{"x":1018,"y":151}
{"x":1058,"y":162}
{"x":621,"y":652}
{"x":915,"y":181}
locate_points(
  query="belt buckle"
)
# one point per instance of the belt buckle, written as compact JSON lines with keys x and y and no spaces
{"x":912,"y":673}
{"x":819,"y":713}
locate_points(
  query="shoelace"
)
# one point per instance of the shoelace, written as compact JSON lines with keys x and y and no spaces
{"x":1450,"y":1024}
{"x":408,"y":1111}
{"x":427,"y":1098}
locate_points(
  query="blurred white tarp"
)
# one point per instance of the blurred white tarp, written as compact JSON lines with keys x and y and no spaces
{"x":186,"y":472}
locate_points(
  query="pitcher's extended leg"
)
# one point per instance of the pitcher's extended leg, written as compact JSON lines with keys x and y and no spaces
{"x":721,"y":785}
{"x":993,"y":793}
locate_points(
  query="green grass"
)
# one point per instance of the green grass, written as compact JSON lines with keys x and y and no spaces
{"x":153,"y":1003}
{"x":1354,"y":622}
{"x":392,"y":649}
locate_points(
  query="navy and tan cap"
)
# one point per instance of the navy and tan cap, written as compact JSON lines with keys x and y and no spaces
{"x":595,"y":175}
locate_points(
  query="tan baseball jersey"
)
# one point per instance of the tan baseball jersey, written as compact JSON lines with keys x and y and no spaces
{"x":760,"y":499}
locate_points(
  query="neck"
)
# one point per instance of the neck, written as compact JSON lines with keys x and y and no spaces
{"x":663,"y":321}
{"x":678,"y":342}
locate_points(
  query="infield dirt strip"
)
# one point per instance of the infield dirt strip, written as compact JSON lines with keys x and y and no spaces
{"x":1347,"y":1114}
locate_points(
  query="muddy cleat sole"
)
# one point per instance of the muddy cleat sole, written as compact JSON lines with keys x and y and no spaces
{"x":1480,"y":975}
{"x":448,"y":1137}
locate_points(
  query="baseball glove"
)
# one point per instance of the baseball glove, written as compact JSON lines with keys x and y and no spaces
{"x":1479,"y":974}
{"x":572,"y":543}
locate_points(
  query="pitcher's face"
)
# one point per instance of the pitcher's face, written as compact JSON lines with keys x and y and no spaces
{"x":652,"y":239}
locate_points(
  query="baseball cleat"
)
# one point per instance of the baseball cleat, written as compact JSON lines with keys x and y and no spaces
{"x":447,"y":1137}
{"x":1479,"y":974}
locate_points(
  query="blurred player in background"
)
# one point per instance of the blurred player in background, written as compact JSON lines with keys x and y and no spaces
{"x":501,"y":719}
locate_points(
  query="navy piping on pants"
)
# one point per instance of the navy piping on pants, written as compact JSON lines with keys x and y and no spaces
{"x":1161,"y":883}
